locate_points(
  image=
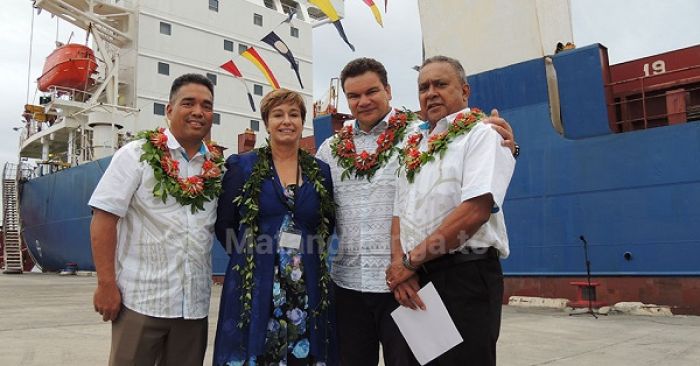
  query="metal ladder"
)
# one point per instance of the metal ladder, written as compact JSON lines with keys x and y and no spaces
{"x":11,"y":230}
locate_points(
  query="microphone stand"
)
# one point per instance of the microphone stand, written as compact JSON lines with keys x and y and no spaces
{"x":588,"y":277}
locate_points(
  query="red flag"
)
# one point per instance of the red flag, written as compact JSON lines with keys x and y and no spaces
{"x":231,"y":67}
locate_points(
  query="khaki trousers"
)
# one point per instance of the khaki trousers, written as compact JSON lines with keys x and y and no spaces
{"x":144,"y":340}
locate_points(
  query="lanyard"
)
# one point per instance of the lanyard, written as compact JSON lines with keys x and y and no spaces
{"x":289,"y":202}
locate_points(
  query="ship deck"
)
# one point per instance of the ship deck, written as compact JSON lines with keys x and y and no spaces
{"x":49,"y":319}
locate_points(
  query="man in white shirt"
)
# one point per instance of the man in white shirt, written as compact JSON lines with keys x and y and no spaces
{"x":448,"y":212}
{"x":364,"y":182}
{"x":153,"y":256}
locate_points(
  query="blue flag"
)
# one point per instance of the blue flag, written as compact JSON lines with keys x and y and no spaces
{"x":276,"y":42}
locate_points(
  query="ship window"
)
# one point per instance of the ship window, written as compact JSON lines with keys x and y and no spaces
{"x":165,"y":28}
{"x":316,"y":13}
{"x":289,"y":6}
{"x":294,"y":32}
{"x":214,"y":5}
{"x":212,"y":77}
{"x":257,"y":19}
{"x":159,"y":109}
{"x":242,"y":48}
{"x":216,"y":118}
{"x":163,"y":68}
{"x":257,"y":89}
{"x":254,"y":125}
{"x":270,"y":4}
{"x":228,"y":45}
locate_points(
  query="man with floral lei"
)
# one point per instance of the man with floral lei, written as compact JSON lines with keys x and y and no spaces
{"x":153,"y":218}
{"x":448,"y":211}
{"x":363,"y":157}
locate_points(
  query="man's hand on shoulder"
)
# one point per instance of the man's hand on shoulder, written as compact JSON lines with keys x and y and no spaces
{"x":503,"y":128}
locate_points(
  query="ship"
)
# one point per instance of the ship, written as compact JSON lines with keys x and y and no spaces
{"x":99,"y":94}
{"x":607,"y":182}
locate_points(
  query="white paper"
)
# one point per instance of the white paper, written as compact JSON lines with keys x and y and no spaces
{"x":430,"y":332}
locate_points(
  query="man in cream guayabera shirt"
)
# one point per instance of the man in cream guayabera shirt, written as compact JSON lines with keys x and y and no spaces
{"x":364,"y":181}
{"x":448,"y":211}
{"x":153,"y":258}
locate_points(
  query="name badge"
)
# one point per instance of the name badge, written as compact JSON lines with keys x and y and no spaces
{"x":290,"y":238}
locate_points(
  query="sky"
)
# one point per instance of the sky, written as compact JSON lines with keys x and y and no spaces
{"x":630,"y":30}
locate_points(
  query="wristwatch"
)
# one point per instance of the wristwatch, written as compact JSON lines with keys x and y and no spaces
{"x":516,"y":153}
{"x":407,"y":262}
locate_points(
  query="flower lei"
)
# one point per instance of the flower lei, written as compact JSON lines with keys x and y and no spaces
{"x":250,"y":199}
{"x":413,"y":159}
{"x":365,"y":164}
{"x":192,"y":191}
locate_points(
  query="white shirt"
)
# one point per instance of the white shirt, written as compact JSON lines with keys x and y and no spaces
{"x":473,"y":165}
{"x":163,"y":257}
{"x":363,"y":216}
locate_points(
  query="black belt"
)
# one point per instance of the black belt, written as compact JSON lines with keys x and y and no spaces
{"x":449,"y":260}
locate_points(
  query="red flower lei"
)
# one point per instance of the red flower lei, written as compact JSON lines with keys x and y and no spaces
{"x":365,"y":164}
{"x":194,"y":190}
{"x":413,"y":159}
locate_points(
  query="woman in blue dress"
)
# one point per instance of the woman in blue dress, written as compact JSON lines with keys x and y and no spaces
{"x":274,"y":218}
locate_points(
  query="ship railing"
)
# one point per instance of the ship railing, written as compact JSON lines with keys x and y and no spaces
{"x":643,"y":90}
{"x":60,"y":92}
{"x":26,"y":172}
{"x":9,"y":171}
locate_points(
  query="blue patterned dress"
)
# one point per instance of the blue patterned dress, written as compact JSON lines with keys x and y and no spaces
{"x":285,"y":281}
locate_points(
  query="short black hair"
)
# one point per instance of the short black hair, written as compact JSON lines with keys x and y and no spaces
{"x":360,"y":66}
{"x":190,"y":79}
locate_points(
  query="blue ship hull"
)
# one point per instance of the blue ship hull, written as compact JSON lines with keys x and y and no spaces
{"x":635,"y":192}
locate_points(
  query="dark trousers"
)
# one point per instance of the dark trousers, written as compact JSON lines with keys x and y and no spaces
{"x":364,"y":320}
{"x":138,"y":340}
{"x":473,"y":295}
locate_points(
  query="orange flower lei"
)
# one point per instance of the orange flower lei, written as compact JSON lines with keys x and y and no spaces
{"x":194,"y":190}
{"x":365,"y":164}
{"x":413,"y":159}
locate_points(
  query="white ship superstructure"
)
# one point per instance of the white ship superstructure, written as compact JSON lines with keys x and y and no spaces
{"x":143,"y":45}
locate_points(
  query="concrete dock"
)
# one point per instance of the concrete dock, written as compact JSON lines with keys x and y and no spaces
{"x":46,"y":319}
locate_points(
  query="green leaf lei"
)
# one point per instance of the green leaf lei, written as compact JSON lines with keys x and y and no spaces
{"x":365,"y":164}
{"x":250,"y":199}
{"x":412,"y":159}
{"x":192,"y":191}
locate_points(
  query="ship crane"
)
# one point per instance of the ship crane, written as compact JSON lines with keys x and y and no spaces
{"x":328,"y":104}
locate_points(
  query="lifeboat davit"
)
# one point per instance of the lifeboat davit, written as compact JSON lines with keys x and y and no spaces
{"x":69,"y":66}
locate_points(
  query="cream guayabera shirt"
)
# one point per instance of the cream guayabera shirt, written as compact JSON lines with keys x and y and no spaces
{"x":163,"y":259}
{"x":473,"y":165}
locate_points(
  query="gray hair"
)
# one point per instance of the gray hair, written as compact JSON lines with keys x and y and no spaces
{"x":456,"y":65}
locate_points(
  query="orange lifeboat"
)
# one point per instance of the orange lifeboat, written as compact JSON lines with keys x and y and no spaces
{"x":69,"y":66}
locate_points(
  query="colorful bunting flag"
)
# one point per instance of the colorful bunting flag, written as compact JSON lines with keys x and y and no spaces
{"x":276,"y":42}
{"x":328,"y":9}
{"x":375,"y":11}
{"x":252,"y":55}
{"x":233,"y":69}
